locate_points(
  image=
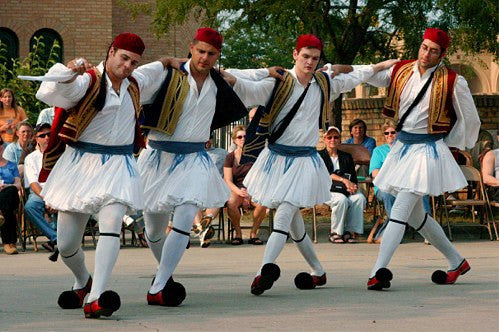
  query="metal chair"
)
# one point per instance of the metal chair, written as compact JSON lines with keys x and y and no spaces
{"x":476,"y":198}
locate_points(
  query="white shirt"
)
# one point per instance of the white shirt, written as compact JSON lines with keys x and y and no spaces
{"x":465,"y":131}
{"x":197,"y":113}
{"x":32,"y":168}
{"x":114,"y":124}
{"x":303,"y":129}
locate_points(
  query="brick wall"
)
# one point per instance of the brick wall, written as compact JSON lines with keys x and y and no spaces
{"x":369,"y":110}
{"x":88,"y":26}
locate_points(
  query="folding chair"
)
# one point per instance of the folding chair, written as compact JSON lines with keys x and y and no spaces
{"x":476,"y":198}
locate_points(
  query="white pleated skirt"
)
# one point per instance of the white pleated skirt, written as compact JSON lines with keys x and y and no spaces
{"x":420,"y":170}
{"x":169,"y":181}
{"x":273,"y":180}
{"x":85,"y":183}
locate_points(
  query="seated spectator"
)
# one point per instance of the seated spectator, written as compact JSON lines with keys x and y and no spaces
{"x":358,"y":133}
{"x":46,"y":116}
{"x":234,"y":174}
{"x":35,"y":206}
{"x":490,"y":172}
{"x":10,"y":184}
{"x":21,"y":147}
{"x":347,"y":203}
{"x":10,"y":115}
{"x":202,"y":226}
{"x":378,"y":158}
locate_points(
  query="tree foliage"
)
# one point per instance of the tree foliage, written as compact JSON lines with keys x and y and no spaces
{"x":263,"y":31}
{"x":35,"y":63}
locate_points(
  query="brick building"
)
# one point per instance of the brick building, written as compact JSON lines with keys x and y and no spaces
{"x":84,"y":28}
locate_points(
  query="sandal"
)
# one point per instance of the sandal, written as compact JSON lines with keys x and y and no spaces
{"x":142,"y":240}
{"x":335,"y":238}
{"x":255,"y":241}
{"x":348,"y":238}
{"x":237,"y":241}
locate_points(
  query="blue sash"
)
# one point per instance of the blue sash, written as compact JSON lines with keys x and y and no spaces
{"x":408,"y":139}
{"x":179,"y":149}
{"x":106,"y":151}
{"x":290,"y":152}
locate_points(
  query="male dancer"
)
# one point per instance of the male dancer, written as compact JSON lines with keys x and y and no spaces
{"x":177,"y":173}
{"x":436,"y":110}
{"x":96,"y":174}
{"x":288,"y":173}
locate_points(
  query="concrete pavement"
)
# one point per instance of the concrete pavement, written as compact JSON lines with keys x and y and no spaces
{"x":217,"y":280}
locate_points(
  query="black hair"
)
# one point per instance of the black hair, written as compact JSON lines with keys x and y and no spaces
{"x":100,"y":101}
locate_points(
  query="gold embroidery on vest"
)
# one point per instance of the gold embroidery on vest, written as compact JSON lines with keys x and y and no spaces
{"x":322,"y":80}
{"x":392,"y":101}
{"x":173,"y":104}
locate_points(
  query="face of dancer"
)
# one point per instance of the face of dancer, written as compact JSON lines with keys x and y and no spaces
{"x":306,"y":60}
{"x":23,"y":135}
{"x":390,"y":135}
{"x":6,"y":99}
{"x":121,"y":63}
{"x":429,"y":55}
{"x":332,"y":139}
{"x":204,"y":57}
{"x":42,"y":139}
{"x":239,"y":139}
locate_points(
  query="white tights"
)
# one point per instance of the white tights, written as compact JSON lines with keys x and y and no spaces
{"x":70,"y":230}
{"x":408,"y":208}
{"x":288,"y":218}
{"x":174,"y":245}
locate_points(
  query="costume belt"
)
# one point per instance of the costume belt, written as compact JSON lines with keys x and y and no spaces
{"x":408,"y":139}
{"x":290,"y":152}
{"x":180,"y":149}
{"x":106,"y":151}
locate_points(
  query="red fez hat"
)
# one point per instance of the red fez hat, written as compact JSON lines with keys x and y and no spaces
{"x":210,"y":36}
{"x":437,"y":36}
{"x":308,"y":41}
{"x":130,"y":42}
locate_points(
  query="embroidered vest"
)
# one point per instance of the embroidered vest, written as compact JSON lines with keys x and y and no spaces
{"x":68,"y":125}
{"x":258,"y":130}
{"x":442,"y":116}
{"x":163,"y":114}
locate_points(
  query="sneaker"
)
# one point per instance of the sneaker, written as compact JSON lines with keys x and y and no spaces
{"x":206,"y":235}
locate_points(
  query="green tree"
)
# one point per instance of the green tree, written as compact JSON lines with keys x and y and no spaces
{"x":33,"y":64}
{"x":262,"y":32}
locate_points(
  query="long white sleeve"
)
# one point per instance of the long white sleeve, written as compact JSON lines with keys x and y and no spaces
{"x":464,"y":134}
{"x":65,"y":95}
{"x":346,"y":82}
{"x":250,"y":74}
{"x":149,"y":77}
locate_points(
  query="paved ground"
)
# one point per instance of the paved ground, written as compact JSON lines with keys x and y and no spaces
{"x":217,"y":280}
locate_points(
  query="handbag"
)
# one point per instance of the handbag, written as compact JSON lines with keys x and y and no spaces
{"x":339,"y":187}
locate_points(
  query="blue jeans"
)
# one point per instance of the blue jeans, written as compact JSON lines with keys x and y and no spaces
{"x":387,"y":200}
{"x":35,"y":207}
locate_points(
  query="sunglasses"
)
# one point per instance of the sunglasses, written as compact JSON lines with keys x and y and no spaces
{"x":390,"y":133}
{"x":240,"y":136}
{"x":331,"y":137}
{"x":43,"y":135}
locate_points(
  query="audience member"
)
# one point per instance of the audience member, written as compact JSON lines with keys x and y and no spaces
{"x":234,"y":174}
{"x":358,"y":133}
{"x":21,"y":147}
{"x":35,"y":206}
{"x":202,"y":224}
{"x":490,"y":172}
{"x":347,"y":203}
{"x":378,"y":158}
{"x":10,"y":115}
{"x":10,"y":184}
{"x":46,"y":116}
